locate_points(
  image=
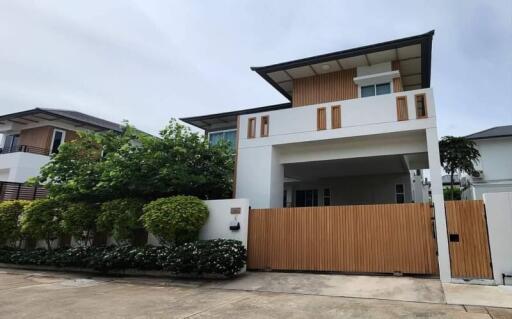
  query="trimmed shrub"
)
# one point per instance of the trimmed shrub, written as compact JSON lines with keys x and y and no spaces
{"x":120,"y":217}
{"x":41,"y":220}
{"x":10,"y":212}
{"x":79,"y":220}
{"x":220,"y":257}
{"x":176,"y":219}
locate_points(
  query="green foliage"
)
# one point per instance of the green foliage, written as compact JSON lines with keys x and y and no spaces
{"x":175,"y":219}
{"x":447,"y":192}
{"x":41,"y":220}
{"x":120,"y":217}
{"x":458,"y":154}
{"x":10,"y":212}
{"x":79,"y":220}
{"x":221,"y":257}
{"x":106,"y":166}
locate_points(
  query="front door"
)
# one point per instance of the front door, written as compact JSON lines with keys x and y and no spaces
{"x":468,"y":239}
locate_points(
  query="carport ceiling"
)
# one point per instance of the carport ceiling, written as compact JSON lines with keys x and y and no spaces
{"x":379,"y":165}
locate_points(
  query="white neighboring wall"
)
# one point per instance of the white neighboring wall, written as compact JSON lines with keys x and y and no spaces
{"x":499,"y":222}
{"x":19,"y":167}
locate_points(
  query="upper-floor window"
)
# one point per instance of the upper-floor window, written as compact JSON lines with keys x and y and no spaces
{"x":375,"y":89}
{"x":227,"y":135}
{"x":57,"y":140}
{"x":421,"y":106}
{"x":11,"y":143}
{"x":264,"y":126}
{"x":400,"y":193}
{"x":251,"y":127}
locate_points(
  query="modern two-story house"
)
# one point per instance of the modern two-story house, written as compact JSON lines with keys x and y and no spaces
{"x":28,"y":138}
{"x":357,"y":123}
{"x":494,"y":166}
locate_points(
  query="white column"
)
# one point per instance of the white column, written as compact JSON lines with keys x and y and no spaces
{"x":260,"y":177}
{"x":438,"y":200}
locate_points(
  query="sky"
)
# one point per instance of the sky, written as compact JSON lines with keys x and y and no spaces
{"x":150,"y":61}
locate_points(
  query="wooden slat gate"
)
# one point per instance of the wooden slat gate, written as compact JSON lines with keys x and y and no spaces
{"x":362,"y":238}
{"x":468,"y":239}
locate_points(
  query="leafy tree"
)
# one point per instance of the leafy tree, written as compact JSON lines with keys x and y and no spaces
{"x":41,"y":220}
{"x":457,"y":154}
{"x":10,"y":212}
{"x":175,"y":219}
{"x":79,"y":220}
{"x":107,"y":166}
{"x":120,"y":218}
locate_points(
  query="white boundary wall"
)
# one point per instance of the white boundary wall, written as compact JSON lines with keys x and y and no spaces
{"x":499,"y":222}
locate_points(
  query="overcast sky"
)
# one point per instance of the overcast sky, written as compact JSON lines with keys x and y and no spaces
{"x":147,"y":61}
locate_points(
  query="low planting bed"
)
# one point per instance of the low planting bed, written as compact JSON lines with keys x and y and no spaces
{"x":218,"y":257}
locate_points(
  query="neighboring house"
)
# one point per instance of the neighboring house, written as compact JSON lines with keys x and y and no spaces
{"x":30,"y":137}
{"x":357,"y":123}
{"x":495,"y":164}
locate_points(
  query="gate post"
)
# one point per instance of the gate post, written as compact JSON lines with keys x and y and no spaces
{"x":443,"y":254}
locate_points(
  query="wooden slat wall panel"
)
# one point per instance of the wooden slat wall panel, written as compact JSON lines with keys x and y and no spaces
{"x":335,"y":86}
{"x":402,"y":114}
{"x":13,"y":191}
{"x":335,"y":116}
{"x":321,"y":118}
{"x":470,"y":257}
{"x":397,"y":82}
{"x":38,"y":137}
{"x":361,"y":238}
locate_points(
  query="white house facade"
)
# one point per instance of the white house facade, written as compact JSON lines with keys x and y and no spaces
{"x":494,"y":166}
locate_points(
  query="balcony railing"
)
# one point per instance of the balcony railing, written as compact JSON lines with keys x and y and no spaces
{"x":24,"y":149}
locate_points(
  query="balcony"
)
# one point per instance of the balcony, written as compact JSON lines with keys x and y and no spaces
{"x":381,"y":114}
{"x":24,"y":149}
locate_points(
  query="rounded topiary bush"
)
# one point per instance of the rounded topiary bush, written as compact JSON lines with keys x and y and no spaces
{"x":10,"y":212}
{"x":176,"y":219}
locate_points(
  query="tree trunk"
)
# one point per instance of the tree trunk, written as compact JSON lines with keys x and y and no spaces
{"x":451,"y":184}
{"x":49,"y":244}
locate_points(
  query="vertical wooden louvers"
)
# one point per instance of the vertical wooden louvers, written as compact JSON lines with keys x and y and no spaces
{"x":397,"y":82}
{"x":251,"y":127}
{"x":329,"y":87}
{"x":321,"y":119}
{"x":402,"y":113}
{"x":420,"y":102}
{"x":335,"y":116}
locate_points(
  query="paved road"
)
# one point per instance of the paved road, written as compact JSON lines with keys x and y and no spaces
{"x":26,"y":294}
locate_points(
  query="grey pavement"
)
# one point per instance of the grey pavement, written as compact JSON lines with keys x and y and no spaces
{"x":26,"y":294}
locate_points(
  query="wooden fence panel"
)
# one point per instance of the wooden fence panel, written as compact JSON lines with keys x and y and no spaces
{"x":468,"y":239}
{"x":361,"y":238}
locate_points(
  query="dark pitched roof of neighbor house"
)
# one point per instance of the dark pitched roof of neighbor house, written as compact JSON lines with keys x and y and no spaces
{"x":37,"y":114}
{"x":498,"y":131}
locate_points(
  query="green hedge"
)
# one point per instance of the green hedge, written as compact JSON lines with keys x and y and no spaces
{"x":219,"y":256}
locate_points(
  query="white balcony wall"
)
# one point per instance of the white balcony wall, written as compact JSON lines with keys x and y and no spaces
{"x":19,"y":167}
{"x":359,"y":117}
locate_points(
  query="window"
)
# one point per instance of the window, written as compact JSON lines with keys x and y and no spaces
{"x":335,"y":116}
{"x":368,"y":90}
{"x":375,"y":89}
{"x":399,"y":193}
{"x":251,"y":128}
{"x":228,"y":136}
{"x":327,"y":197}
{"x":321,"y":119}
{"x":402,"y":114}
{"x":57,"y":140}
{"x":264,"y":126}
{"x":11,"y":143}
{"x":383,"y":88}
{"x":284,"y":198}
{"x":306,"y":198}
{"x":421,"y":106}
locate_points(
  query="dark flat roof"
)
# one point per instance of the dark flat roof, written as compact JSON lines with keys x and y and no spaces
{"x":38,"y":114}
{"x":229,"y":118}
{"x":425,"y":40}
{"x":498,"y":131}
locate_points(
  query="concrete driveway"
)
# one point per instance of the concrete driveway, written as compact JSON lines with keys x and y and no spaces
{"x":25,"y":294}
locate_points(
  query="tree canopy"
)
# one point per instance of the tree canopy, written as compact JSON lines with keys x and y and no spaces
{"x":458,"y":154}
{"x":99,"y":167}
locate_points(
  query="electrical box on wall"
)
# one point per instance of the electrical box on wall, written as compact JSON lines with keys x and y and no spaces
{"x":234,"y":225}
